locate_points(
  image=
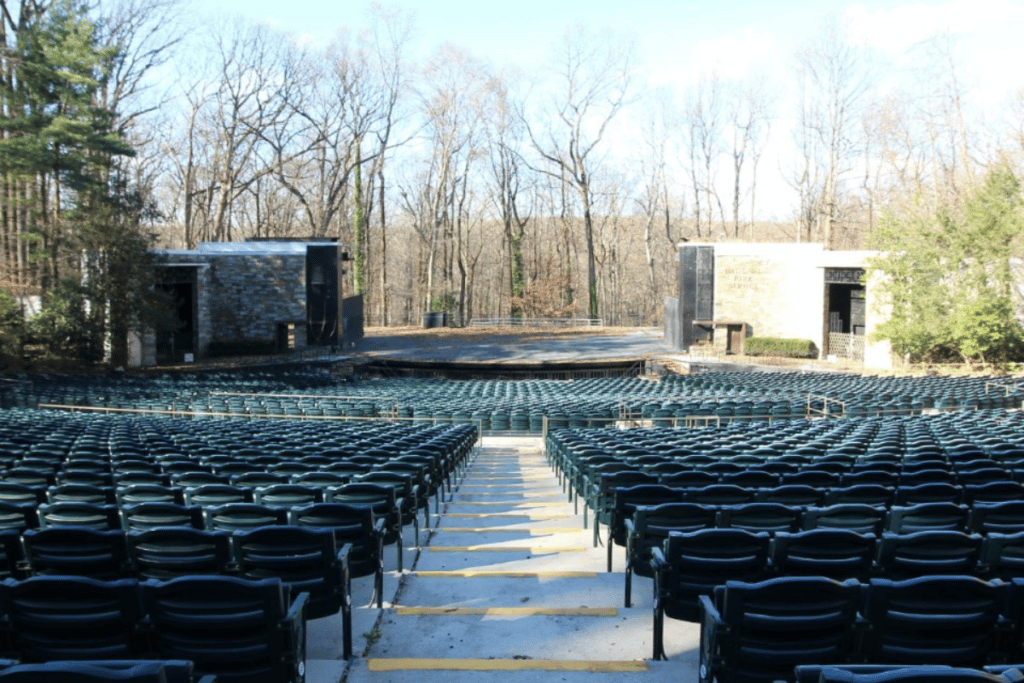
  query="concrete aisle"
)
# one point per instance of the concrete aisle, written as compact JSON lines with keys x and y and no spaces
{"x":509,"y":587}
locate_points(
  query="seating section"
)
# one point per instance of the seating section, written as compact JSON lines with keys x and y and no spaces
{"x":766,"y":631}
{"x":236,"y":629}
{"x":893,"y":536}
{"x":109,"y":671}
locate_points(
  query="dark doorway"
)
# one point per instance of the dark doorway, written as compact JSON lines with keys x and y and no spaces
{"x":177,"y":337}
{"x":846,"y":310}
{"x":322,"y":295}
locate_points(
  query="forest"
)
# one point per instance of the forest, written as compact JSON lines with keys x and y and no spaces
{"x":483,"y":190}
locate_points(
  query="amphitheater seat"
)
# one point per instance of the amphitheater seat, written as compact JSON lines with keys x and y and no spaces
{"x":864,"y":519}
{"x":109,"y":671}
{"x":354,"y":525}
{"x":105,"y":624}
{"x":308,"y":561}
{"x":928,"y":516}
{"x":769,"y":517}
{"x":834,"y":553}
{"x":167,"y":552}
{"x":758,"y":632}
{"x":239,"y":630}
{"x":934,"y":620}
{"x":78,"y":551}
{"x":931,"y":552}
{"x":899,"y":673}
{"x":689,"y":565}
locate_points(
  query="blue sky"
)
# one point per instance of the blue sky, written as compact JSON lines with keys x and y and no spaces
{"x":678,"y":40}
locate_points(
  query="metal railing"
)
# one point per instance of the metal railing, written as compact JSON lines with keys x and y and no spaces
{"x":846,"y":346}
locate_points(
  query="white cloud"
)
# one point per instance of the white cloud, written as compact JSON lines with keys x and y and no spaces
{"x":896,"y":30}
{"x":732,"y":56}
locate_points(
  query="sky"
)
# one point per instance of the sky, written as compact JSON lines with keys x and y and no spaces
{"x":679,"y":41}
{"x":675,"y":37}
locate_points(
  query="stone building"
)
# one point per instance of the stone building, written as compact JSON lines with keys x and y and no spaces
{"x":731,"y":291}
{"x":259,"y":296}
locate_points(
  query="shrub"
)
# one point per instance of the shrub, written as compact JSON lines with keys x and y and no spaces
{"x":786,"y":348}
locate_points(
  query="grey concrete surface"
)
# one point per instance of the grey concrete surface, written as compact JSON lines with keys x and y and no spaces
{"x":508,"y":514}
{"x":502,"y":347}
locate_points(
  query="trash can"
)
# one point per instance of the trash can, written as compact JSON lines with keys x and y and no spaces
{"x":434,"y":319}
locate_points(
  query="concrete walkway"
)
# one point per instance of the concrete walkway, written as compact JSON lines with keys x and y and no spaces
{"x":507,"y":586}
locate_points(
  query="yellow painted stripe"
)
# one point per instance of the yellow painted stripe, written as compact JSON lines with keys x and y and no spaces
{"x":495,"y":574}
{"x":525,"y":503}
{"x":505,"y":530}
{"x":611,"y":666}
{"x":524,"y":515}
{"x":504,"y":549}
{"x":506,"y":611}
{"x":488,"y":488}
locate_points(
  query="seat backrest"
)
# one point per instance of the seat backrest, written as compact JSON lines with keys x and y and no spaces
{"x":209,"y":495}
{"x":626,"y":500}
{"x":934,"y":492}
{"x":992,"y":492}
{"x":834,"y":553}
{"x":932,"y":620}
{"x":926,"y":517}
{"x":75,"y":513}
{"x":798,"y":619}
{"x":928,"y":552}
{"x":1006,"y":517}
{"x":896,"y":673}
{"x":864,"y":519}
{"x":305,"y":558}
{"x":770,"y":517}
{"x":867,"y":494}
{"x":792,"y":494}
{"x":719,"y":494}
{"x":1002,"y":555}
{"x":80,"y":551}
{"x":145,"y":516}
{"x":238,"y":516}
{"x":238,"y":629}
{"x":108,"y":671}
{"x":73,"y":617}
{"x":700,"y":560}
{"x":168,"y":552}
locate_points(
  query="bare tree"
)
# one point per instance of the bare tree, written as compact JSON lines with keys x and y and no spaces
{"x":833,"y":77}
{"x":750,"y":120}
{"x":594,"y":74}
{"x":505,"y":139}
{"x":704,"y":121}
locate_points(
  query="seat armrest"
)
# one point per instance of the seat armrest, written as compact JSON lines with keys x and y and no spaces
{"x":297,"y":610}
{"x":658,"y":562}
{"x":711,"y":628}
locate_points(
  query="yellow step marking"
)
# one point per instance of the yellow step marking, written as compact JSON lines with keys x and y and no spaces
{"x":503,"y":515}
{"x":505,"y":491}
{"x":504,"y":549}
{"x":488,"y":574}
{"x":506,"y":530}
{"x":525,"y":503}
{"x":610,"y":666}
{"x":507,"y":611}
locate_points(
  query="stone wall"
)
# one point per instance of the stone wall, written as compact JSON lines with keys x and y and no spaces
{"x":249,"y":294}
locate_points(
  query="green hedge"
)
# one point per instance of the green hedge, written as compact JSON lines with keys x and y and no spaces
{"x":775,"y":346}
